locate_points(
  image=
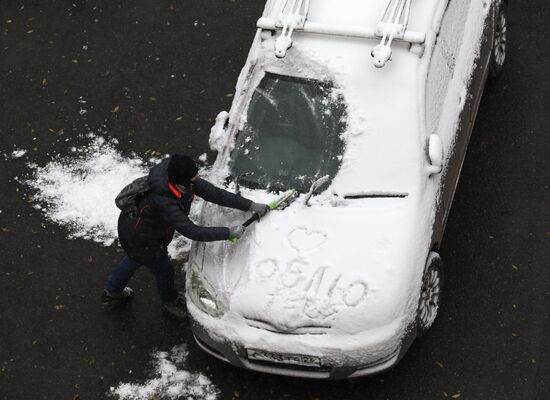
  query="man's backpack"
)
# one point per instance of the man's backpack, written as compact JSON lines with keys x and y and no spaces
{"x":128,"y":198}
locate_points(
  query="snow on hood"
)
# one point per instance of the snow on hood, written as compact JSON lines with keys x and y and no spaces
{"x":319,"y":267}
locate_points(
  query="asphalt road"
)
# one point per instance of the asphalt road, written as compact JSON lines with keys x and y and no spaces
{"x":161,"y":60}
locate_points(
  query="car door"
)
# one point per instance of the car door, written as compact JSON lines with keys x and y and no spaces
{"x":443,"y":101}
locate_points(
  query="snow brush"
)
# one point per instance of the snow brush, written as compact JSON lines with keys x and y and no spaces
{"x":280,"y":203}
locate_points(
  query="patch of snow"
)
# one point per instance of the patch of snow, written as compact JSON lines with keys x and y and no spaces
{"x":216,"y":138}
{"x":18,"y":153}
{"x":179,"y":246}
{"x":78,"y":192}
{"x":203,"y":157}
{"x":170,"y":380}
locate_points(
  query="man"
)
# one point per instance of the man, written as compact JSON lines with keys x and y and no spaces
{"x":145,"y":236}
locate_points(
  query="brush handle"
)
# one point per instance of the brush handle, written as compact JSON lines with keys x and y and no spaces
{"x":255,"y":217}
{"x":272,"y":206}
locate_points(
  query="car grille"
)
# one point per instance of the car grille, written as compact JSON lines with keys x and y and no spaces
{"x":301,"y":330}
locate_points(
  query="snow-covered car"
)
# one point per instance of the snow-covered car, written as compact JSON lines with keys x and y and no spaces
{"x":381,"y":97}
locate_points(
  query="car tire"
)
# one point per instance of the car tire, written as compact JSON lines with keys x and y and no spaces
{"x":500,"y":41}
{"x":430,"y":294}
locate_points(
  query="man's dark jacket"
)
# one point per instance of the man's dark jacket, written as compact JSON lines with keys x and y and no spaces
{"x":164,"y":209}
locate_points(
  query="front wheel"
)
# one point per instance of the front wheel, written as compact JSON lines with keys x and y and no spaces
{"x":430,"y":294}
{"x":500,"y":41}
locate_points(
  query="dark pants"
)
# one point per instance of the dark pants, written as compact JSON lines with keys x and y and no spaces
{"x":160,"y":267}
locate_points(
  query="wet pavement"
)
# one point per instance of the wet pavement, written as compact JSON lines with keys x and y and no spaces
{"x":154,"y":75}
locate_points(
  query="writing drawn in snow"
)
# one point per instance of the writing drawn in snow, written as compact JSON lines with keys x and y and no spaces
{"x":316,"y":294}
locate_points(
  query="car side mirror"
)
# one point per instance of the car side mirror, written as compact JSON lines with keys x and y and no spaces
{"x":215,"y":140}
{"x":435,"y":154}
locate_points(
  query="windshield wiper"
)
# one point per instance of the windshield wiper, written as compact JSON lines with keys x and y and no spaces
{"x":319,"y":183}
{"x":375,"y":195}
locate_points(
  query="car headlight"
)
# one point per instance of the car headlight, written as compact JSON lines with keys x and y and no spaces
{"x":204,"y":296}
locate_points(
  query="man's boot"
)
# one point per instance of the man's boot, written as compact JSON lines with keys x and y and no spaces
{"x":110,"y":299}
{"x":176,"y":310}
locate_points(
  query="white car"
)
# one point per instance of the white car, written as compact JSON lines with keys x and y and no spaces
{"x":381,"y":97}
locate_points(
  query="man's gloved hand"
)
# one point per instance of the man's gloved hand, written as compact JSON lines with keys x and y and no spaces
{"x":259,"y":208}
{"x":236,"y":232}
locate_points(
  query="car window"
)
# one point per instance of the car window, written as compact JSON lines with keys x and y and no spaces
{"x":443,"y":61}
{"x":292,"y":135}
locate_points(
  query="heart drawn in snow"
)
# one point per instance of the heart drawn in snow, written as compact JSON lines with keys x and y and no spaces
{"x":303,"y":239}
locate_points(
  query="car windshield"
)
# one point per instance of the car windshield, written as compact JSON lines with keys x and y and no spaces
{"x":293,"y":134}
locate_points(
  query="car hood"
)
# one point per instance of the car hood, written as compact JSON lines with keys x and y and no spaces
{"x":349,"y":266}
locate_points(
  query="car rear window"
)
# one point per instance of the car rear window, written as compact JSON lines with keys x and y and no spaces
{"x":293,"y":134}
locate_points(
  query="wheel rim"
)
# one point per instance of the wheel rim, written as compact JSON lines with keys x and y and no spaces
{"x":429,"y":300}
{"x":501,"y":39}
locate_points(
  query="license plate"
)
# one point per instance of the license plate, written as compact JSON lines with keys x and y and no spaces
{"x":281,"y":358}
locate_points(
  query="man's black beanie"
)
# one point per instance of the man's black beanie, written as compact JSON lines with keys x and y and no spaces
{"x":181,"y":169}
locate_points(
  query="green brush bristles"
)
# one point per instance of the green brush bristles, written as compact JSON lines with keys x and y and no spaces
{"x":289,"y":194}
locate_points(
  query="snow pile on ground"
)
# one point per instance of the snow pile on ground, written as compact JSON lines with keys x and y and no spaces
{"x":78,"y":192}
{"x":18,"y":153}
{"x":170,"y":380}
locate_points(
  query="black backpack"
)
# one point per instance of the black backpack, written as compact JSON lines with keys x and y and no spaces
{"x":128,"y":198}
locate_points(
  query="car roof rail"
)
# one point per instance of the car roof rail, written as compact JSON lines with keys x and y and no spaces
{"x":292,"y":15}
{"x":392,"y":25}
